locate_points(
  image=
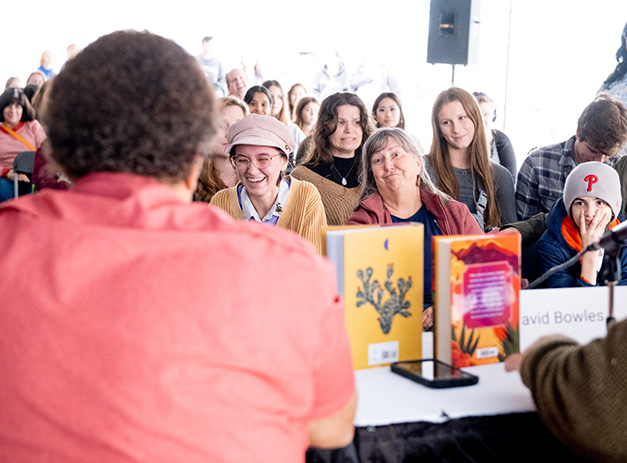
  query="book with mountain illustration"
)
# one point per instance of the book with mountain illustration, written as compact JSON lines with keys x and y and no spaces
{"x":476,"y":288}
{"x":380,"y":276}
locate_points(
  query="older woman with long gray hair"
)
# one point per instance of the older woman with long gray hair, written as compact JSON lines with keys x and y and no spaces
{"x":396,"y":188}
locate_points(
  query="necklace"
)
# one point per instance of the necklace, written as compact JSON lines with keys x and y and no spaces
{"x":344,"y":182}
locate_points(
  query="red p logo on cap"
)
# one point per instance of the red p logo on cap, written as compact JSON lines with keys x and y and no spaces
{"x":591,"y":179}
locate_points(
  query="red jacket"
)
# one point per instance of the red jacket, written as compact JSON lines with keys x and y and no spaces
{"x":452,"y":219}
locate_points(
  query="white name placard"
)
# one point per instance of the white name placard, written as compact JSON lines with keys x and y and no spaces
{"x":580,"y":313}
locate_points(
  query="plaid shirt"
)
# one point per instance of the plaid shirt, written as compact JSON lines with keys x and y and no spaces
{"x":542,"y":177}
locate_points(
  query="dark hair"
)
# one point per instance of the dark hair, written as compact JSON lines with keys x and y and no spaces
{"x":298,"y":114}
{"x":377,"y":102}
{"x":16,"y":95}
{"x":603,"y":124}
{"x":30,"y":91}
{"x":250,"y":93}
{"x":621,"y":58}
{"x":207,"y":38}
{"x":130,"y":102}
{"x":320,"y":151}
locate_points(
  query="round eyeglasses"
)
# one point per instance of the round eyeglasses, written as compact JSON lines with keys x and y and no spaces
{"x":242,"y":162}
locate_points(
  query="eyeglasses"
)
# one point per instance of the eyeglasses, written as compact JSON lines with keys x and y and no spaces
{"x":242,"y":162}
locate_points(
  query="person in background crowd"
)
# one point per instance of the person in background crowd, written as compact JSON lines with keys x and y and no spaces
{"x":601,"y":131}
{"x":306,"y":114}
{"x":19,"y":131}
{"x":333,"y":161}
{"x":211,"y":66}
{"x":395,"y":188}
{"x":13,"y":82}
{"x":459,"y":161}
{"x":279,"y":108}
{"x":36,"y":78}
{"x":141,"y":355}
{"x":217,"y":172}
{"x":296,"y":92}
{"x":259,"y":149}
{"x":388,"y":112}
{"x":590,"y":206}
{"x":46,"y":64}
{"x":281,"y":112}
{"x":501,"y":149}
{"x":616,"y":82}
{"x":259,"y":100}
{"x":237,"y":82}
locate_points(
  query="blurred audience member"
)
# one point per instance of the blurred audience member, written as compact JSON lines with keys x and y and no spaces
{"x":36,"y":78}
{"x":237,"y":82}
{"x":46,"y":64}
{"x":296,"y":92}
{"x":19,"y":131}
{"x":306,"y":114}
{"x":501,"y":149}
{"x":13,"y":82}
{"x":211,"y":66}
{"x":217,"y":172}
{"x":280,"y":111}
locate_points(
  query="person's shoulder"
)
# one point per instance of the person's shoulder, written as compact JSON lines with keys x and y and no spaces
{"x":501,"y":136}
{"x":552,"y":150}
{"x":303,"y":186}
{"x":499,"y":170}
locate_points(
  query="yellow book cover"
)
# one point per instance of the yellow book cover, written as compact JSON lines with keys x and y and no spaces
{"x":476,"y":282}
{"x":380,"y":276}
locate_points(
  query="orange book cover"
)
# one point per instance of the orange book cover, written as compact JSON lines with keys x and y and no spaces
{"x":380,"y":276}
{"x":476,"y":285}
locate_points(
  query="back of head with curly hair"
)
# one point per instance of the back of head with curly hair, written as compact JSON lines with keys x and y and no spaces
{"x":130,"y":102}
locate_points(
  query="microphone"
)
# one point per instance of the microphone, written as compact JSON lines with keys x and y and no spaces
{"x":612,"y":240}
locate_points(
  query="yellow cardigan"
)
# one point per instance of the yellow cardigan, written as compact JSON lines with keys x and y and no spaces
{"x":303,"y":213}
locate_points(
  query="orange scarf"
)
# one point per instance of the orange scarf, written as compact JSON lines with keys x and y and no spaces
{"x":10,"y":131}
{"x":571,"y":232}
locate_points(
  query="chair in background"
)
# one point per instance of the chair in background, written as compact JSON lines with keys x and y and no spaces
{"x":23,"y":164}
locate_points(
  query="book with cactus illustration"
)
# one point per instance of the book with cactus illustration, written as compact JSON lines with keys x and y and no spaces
{"x":476,"y":288}
{"x":379,"y":272}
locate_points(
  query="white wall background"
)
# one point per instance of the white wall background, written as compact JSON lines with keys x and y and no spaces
{"x":542,"y":61}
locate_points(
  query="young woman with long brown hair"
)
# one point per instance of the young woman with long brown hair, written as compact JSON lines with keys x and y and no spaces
{"x":459,"y":160}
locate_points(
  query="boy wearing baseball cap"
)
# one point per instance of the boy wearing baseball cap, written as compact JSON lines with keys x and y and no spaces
{"x":590,"y":205}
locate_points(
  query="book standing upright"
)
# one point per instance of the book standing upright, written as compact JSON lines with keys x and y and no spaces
{"x":476,"y":282}
{"x":380,"y":276}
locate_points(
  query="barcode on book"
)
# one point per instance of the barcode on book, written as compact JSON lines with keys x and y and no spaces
{"x":487,"y":352}
{"x":383,"y":352}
